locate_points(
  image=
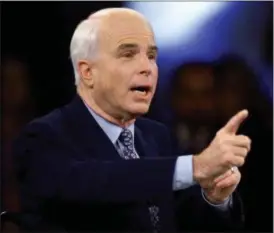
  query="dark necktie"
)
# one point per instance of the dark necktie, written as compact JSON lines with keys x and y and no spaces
{"x":128,"y":152}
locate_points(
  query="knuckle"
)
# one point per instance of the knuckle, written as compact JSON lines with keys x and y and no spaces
{"x":245,"y":151}
{"x":227,"y":158}
{"x":241,"y":161}
{"x":247,"y":140}
{"x":243,"y":138}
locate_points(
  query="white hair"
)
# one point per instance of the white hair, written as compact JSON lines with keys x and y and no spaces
{"x":83,"y":44}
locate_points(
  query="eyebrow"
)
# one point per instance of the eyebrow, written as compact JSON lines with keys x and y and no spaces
{"x":135,"y":46}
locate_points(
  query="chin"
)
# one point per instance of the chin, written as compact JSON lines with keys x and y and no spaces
{"x":139,"y":109}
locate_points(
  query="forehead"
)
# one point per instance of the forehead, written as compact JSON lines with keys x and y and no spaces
{"x":126,"y":30}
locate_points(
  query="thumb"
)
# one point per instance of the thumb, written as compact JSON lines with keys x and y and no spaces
{"x":234,"y":123}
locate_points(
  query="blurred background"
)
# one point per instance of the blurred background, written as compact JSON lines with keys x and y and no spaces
{"x":215,"y":59}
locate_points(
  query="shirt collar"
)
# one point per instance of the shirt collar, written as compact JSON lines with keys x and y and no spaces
{"x":112,"y":131}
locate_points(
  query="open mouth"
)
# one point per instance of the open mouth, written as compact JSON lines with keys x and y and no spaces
{"x":141,"y":89}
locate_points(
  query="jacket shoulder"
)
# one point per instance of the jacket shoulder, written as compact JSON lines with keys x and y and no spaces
{"x":52,"y":121}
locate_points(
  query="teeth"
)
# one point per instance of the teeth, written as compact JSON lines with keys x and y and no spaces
{"x":141,"y":92}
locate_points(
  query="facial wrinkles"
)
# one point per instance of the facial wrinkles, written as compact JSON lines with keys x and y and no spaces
{"x":143,"y":40}
{"x":133,"y":37}
{"x":111,"y":42}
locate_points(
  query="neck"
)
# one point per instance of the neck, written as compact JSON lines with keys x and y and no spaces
{"x":117,"y":119}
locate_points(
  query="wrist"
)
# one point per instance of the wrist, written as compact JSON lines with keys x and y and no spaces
{"x":198,"y":175}
{"x":214,"y":200}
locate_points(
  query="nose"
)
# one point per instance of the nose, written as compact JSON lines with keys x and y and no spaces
{"x":145,"y":66}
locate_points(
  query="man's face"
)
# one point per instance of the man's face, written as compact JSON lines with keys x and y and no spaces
{"x":125,"y":73}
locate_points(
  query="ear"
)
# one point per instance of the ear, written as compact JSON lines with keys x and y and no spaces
{"x":85,"y":72}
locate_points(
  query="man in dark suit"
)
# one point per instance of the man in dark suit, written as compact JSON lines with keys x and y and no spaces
{"x":96,"y":165}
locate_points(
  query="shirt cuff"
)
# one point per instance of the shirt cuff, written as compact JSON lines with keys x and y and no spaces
{"x":223,"y":206}
{"x":183,"y":174}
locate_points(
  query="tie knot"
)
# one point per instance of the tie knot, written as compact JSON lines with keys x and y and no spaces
{"x":126,"y":137}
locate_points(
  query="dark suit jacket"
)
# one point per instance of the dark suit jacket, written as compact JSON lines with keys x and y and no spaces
{"x":73,"y":179}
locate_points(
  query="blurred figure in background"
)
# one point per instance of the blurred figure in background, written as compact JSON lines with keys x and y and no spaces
{"x":238,"y":88}
{"x":17,"y":109}
{"x":193,"y":105}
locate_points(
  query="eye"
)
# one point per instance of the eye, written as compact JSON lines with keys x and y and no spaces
{"x":128,"y":54}
{"x":152,"y":56}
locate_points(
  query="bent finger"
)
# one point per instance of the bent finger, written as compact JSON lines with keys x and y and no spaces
{"x":231,"y":180}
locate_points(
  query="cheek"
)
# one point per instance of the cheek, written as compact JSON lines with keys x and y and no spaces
{"x":116,"y":85}
{"x":155,"y":76}
{"x":154,"y":70}
{"x":103,"y":78}
{"x":120,"y":79}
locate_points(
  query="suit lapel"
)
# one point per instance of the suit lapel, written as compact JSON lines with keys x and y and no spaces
{"x":86,"y":132}
{"x":145,"y":143}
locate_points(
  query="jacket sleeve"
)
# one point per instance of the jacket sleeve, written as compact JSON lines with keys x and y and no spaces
{"x":193,"y":213}
{"x":49,"y":168}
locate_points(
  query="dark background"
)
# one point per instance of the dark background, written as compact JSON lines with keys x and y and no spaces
{"x":40,"y":33}
{"x":37,"y":76}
